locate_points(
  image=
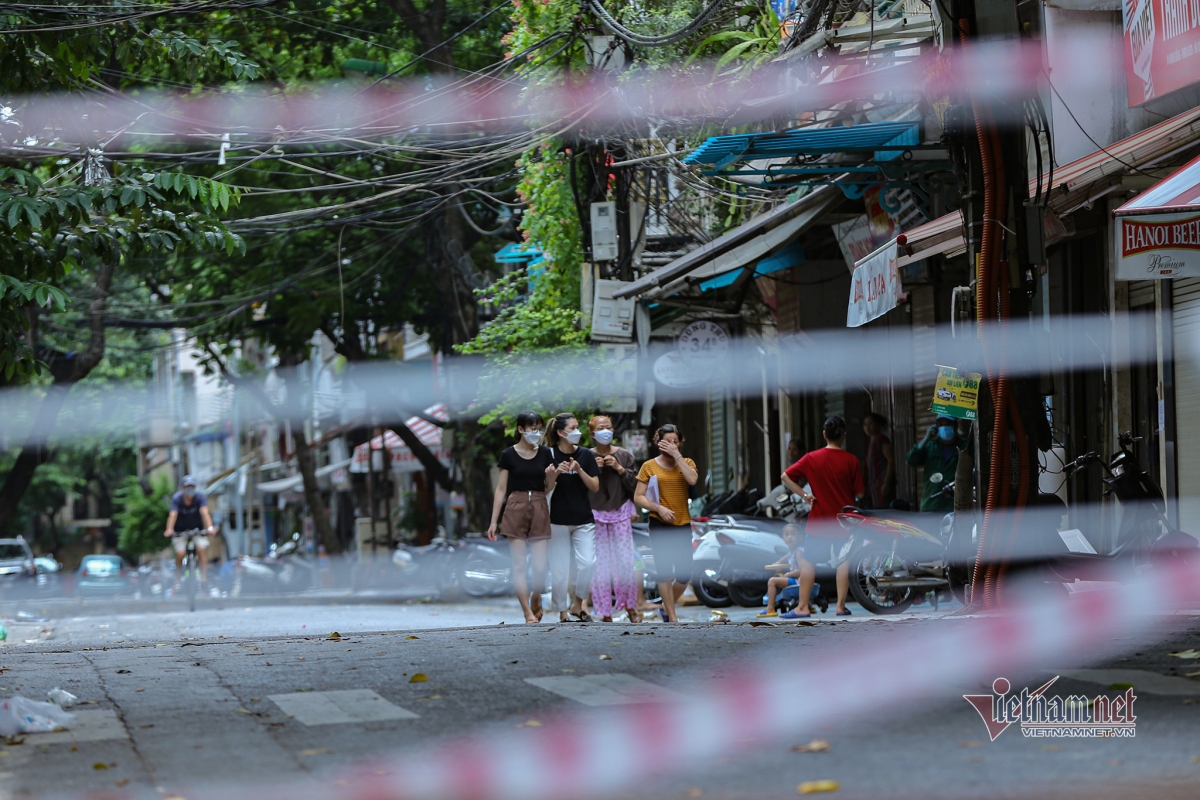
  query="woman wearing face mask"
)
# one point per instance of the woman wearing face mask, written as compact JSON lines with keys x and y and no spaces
{"x":572,"y":529}
{"x":670,"y":523}
{"x":938,"y":453}
{"x":613,"y":510}
{"x":527,"y":474}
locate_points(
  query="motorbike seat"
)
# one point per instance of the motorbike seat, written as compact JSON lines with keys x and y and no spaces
{"x":928,"y":521}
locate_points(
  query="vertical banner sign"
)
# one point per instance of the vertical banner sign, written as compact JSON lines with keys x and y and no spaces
{"x":1162,"y":47}
{"x":956,"y":395}
{"x":875,"y":287}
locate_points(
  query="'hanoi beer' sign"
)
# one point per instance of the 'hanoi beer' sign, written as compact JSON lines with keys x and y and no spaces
{"x":1157,"y":246}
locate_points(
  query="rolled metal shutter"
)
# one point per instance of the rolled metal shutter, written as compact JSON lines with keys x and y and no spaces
{"x":1185,"y":296}
{"x":1141,"y":293}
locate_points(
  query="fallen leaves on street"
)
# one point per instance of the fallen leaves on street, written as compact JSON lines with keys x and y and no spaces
{"x":813,"y":787}
{"x":815,"y":746}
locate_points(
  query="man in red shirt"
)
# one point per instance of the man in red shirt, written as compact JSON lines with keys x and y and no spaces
{"x":836,"y":480}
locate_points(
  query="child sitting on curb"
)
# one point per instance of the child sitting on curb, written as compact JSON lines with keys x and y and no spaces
{"x":792,"y":536}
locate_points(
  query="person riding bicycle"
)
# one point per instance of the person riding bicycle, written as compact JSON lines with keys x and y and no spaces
{"x":189,"y":511}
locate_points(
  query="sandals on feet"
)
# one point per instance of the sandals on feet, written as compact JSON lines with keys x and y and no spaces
{"x":535,"y":606}
{"x":582,"y":615}
{"x":634,"y":616}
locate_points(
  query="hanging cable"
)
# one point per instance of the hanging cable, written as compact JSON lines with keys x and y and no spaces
{"x":633,"y":37}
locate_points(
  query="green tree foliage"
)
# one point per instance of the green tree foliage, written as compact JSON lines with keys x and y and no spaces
{"x":142,"y":516}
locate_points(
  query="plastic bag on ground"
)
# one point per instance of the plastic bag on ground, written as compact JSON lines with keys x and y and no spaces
{"x":62,"y":698}
{"x":22,"y":715}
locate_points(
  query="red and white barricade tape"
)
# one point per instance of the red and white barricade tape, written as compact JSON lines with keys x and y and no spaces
{"x":589,"y":754}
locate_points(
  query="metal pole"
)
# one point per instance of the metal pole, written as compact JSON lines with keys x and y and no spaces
{"x":239,"y":499}
{"x":766,"y":427}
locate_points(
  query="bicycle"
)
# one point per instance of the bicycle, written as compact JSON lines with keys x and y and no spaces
{"x":190,"y":578}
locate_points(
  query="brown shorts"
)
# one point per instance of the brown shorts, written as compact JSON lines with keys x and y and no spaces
{"x":526,"y":516}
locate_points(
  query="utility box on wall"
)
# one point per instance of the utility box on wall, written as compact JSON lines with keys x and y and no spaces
{"x":604,"y":231}
{"x":612,"y":320}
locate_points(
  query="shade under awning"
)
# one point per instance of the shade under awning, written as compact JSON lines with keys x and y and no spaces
{"x":738,"y":248}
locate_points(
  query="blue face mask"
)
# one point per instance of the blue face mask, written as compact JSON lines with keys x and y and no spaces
{"x":946,"y":433}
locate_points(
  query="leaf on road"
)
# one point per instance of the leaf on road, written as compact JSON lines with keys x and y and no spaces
{"x":1195,"y":674}
{"x":759,"y":624}
{"x":815,"y":746}
{"x":121,"y":783}
{"x":420,"y":677}
{"x":317,"y":751}
{"x":970,"y":743}
{"x":530,"y":723}
{"x":122,"y":672}
{"x":605,"y":657}
{"x":410,"y":638}
{"x":813,"y":787}
{"x":244,"y":711}
{"x":99,"y":765}
{"x":335,"y":635}
{"x":1187,"y":654}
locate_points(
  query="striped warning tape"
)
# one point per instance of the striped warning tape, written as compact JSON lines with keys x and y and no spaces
{"x":574,"y":755}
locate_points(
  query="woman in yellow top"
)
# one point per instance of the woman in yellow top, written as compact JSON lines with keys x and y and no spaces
{"x":670,"y":523}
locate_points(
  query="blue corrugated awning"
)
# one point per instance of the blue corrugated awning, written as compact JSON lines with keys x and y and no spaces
{"x":786,"y":258}
{"x":518,"y":253}
{"x":879,"y":139}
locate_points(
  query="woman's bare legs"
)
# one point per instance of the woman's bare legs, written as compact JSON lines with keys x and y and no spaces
{"x":516,"y":548}
{"x":538,"y":557}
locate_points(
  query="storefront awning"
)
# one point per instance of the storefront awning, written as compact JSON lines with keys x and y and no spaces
{"x":294,"y":481}
{"x":1179,"y":192}
{"x":1157,"y":233}
{"x":1082,"y":181}
{"x":737,"y":249}
{"x":402,"y":458}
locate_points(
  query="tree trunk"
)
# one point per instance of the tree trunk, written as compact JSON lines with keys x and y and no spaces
{"x":477,"y":478}
{"x":66,"y":371}
{"x":307,"y":461}
{"x":292,"y":411}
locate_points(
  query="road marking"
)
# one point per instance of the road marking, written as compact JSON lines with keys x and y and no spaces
{"x":608,"y":689}
{"x":95,"y":725}
{"x":333,"y":708}
{"x":1143,"y":680}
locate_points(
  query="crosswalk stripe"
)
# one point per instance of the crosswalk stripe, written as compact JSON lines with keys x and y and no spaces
{"x":94,"y":725}
{"x":607,"y":689}
{"x":332,"y":708}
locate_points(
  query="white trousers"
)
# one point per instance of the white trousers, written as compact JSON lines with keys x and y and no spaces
{"x":572,"y":561}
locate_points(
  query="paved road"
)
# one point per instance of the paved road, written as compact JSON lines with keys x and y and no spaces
{"x":173,"y":706}
{"x":98,"y":621}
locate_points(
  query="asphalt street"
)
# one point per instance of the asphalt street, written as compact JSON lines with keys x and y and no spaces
{"x":262,"y":696}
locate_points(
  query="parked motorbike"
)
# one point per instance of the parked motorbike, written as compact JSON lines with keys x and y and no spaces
{"x":285,"y":568}
{"x":898,"y":556}
{"x":732,"y":550}
{"x":483,"y":568}
{"x":1143,"y":536}
{"x":435,"y":565}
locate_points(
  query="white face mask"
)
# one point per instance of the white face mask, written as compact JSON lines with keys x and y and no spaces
{"x":533,"y":437}
{"x":574,"y":436}
{"x":603,"y":437}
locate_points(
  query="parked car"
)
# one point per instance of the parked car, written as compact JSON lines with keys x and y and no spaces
{"x":17,"y":571}
{"x":102,"y":575}
{"x":49,"y":576}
